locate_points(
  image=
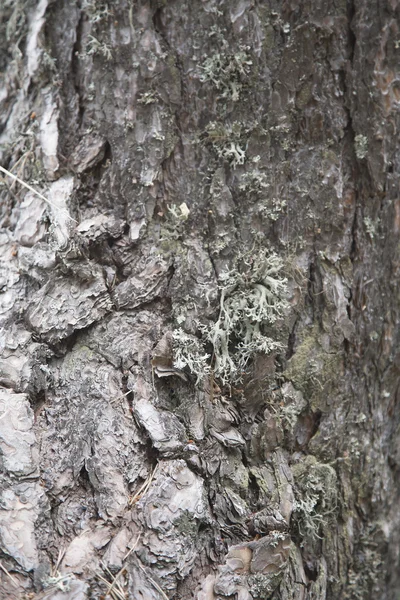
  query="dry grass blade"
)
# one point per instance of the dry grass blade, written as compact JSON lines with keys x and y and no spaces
{"x":154,"y":583}
{"x":143,"y":488}
{"x":114,"y":582}
{"x":31,"y":189}
{"x":61,"y":554}
{"x":120,"y":397}
{"x":2,"y":567}
{"x":131,"y":550}
{"x":115,"y":593}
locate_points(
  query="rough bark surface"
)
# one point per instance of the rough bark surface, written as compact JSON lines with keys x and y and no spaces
{"x":200,"y":326}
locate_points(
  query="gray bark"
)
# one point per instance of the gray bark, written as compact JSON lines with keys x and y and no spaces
{"x":200,"y":319}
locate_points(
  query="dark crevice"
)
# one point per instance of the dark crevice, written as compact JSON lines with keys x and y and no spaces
{"x":350,"y":32}
{"x":84,"y":479}
{"x":353,"y":249}
{"x":157,"y":22}
{"x":77,"y":49}
{"x":64,"y":346}
{"x":91,"y":179}
{"x":315,"y":296}
{"x":311,"y":569}
{"x":292,"y":340}
{"x":38,"y":401}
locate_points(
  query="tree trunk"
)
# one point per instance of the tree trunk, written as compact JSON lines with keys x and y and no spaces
{"x":200,"y":311}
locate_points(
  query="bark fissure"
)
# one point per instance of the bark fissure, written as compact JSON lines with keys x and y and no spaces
{"x":199,"y":379}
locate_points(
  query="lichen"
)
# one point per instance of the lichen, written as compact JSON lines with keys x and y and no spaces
{"x":291,"y":406}
{"x":315,"y":496}
{"x":361,"y":146}
{"x":312,"y":370}
{"x":97,"y":10}
{"x":254,"y":182}
{"x":252,"y":300}
{"x":370,"y":227}
{"x":226,"y":141}
{"x":227,"y":72}
{"x":189,"y":352}
{"x":261,"y":586}
{"x":94,"y":46}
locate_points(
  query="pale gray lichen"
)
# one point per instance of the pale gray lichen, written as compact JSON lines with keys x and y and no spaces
{"x":370,"y":227}
{"x":361,"y":146}
{"x":148,"y":97}
{"x":315,"y":496}
{"x":97,"y":10}
{"x":94,"y":46}
{"x":262,"y":585}
{"x":59,"y":581}
{"x":254,"y":182}
{"x":249,"y":302}
{"x":189,"y":352}
{"x":226,"y":141}
{"x":227,"y":72}
{"x":252,"y":300}
{"x":291,"y":406}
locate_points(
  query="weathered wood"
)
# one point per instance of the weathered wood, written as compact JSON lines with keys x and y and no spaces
{"x":200,"y":316}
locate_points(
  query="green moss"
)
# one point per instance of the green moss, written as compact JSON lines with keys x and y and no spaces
{"x":304,"y":96}
{"x":186,"y":525}
{"x":312,"y":370}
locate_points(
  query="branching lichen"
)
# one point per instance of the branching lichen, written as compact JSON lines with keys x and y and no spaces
{"x":361,"y":146}
{"x":226,"y":141}
{"x":254,"y":182}
{"x":189,"y":352}
{"x":97,"y":10}
{"x":227,"y":72}
{"x":94,"y":46}
{"x":315,"y":496}
{"x":370,"y":227}
{"x":252,"y":300}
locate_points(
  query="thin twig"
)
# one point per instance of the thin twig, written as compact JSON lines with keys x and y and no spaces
{"x":120,"y":397}
{"x":61,"y":554}
{"x":114,"y":583}
{"x":131,"y":550}
{"x":123,"y":568}
{"x":115,"y":594}
{"x":30,"y":188}
{"x":2,"y":567}
{"x":21,"y":160}
{"x":144,"y":487}
{"x":154,"y":583}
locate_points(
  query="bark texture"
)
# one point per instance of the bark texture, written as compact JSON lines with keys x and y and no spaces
{"x":200,"y":325}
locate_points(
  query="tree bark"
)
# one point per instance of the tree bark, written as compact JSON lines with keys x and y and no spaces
{"x":200,"y":311}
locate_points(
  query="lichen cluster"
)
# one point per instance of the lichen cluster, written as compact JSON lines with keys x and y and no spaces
{"x":315,"y":496}
{"x":226,"y":141}
{"x":252,"y":300}
{"x":227,"y":72}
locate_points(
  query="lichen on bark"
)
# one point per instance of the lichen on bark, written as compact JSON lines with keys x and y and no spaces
{"x":199,"y":330}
